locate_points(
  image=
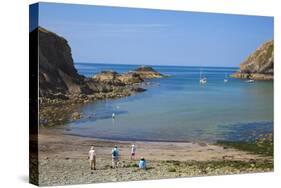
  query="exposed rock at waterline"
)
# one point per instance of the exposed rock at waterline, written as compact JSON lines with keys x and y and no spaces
{"x":146,"y":72}
{"x":75,"y":116}
{"x":107,"y":77}
{"x":111,"y":77}
{"x":259,"y":65}
{"x":130,"y":78}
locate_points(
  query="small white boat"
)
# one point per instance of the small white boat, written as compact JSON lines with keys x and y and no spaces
{"x":250,"y":81}
{"x":202,"y":80}
{"x":225,"y":79}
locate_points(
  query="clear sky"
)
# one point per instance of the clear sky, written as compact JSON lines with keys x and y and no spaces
{"x":143,"y":36}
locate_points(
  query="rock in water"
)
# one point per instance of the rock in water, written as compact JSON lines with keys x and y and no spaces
{"x":130,"y":78}
{"x":146,"y":72}
{"x":108,"y":77}
{"x":75,"y":116}
{"x":259,"y":65}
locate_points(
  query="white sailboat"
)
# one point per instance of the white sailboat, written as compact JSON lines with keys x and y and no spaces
{"x":225,"y":78}
{"x":202,"y":80}
{"x":250,"y":81}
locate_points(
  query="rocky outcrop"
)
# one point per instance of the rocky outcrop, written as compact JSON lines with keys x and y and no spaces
{"x":108,"y":77}
{"x":111,"y":77}
{"x":130,"y":78}
{"x":60,"y":82}
{"x":146,"y":72}
{"x":57,"y":73}
{"x":259,"y":65}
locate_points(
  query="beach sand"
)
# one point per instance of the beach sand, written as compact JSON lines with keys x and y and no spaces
{"x":63,"y":160}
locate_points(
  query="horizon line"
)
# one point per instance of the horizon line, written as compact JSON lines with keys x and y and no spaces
{"x":168,"y":65}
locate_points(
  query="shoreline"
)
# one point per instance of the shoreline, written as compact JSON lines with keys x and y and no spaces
{"x":135,"y":140}
{"x":65,"y":130}
{"x":63,"y":160}
{"x":48,"y":136}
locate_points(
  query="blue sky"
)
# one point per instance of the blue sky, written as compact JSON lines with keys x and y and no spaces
{"x":143,"y":36}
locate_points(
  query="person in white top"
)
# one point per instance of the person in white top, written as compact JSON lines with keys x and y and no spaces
{"x":92,"y":158}
{"x":133,"y":152}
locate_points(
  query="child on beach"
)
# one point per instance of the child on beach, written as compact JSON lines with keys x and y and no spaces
{"x":115,"y":157}
{"x":133,"y":152}
{"x":92,"y":158}
{"x":142,"y":164}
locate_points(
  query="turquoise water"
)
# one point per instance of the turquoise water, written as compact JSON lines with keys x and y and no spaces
{"x":178,"y":108}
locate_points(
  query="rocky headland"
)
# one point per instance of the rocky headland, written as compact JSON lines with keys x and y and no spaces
{"x":60,"y":83}
{"x":259,"y":65}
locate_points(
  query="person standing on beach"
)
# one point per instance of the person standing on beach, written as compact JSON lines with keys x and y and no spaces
{"x":133,"y":152}
{"x":115,"y":156}
{"x":92,"y":158}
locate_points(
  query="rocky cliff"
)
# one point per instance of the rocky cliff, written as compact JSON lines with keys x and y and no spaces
{"x":259,"y":65}
{"x":59,"y":80}
{"x":57,"y":73}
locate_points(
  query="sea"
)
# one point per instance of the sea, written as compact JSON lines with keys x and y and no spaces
{"x":178,"y":108}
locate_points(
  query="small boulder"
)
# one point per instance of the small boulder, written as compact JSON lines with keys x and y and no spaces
{"x":75,"y":116}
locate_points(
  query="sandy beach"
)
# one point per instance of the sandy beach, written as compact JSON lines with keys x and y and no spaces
{"x":63,"y":160}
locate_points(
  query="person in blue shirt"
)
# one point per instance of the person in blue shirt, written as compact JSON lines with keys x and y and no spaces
{"x":142,"y":164}
{"x":115,"y":156}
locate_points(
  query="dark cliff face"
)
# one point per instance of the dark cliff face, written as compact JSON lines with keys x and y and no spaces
{"x":259,"y":65}
{"x":57,"y":73}
{"x":59,"y":80}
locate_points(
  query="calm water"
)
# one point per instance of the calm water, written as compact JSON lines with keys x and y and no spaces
{"x":178,"y":108}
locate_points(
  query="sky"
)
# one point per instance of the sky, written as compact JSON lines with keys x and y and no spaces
{"x":99,"y":34}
